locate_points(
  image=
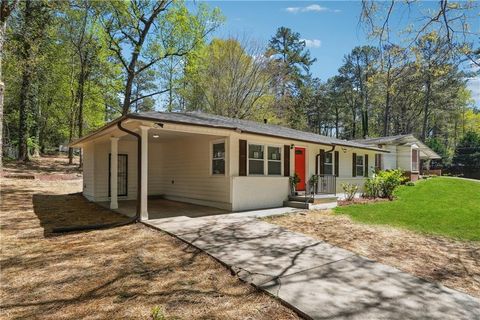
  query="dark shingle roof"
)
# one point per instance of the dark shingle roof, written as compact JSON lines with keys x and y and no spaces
{"x":401,"y":139}
{"x":382,"y":140}
{"x":209,"y":120}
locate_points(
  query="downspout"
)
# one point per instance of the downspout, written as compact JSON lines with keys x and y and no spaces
{"x":318,"y":156}
{"x":139,"y":166}
{"x":139,"y":181}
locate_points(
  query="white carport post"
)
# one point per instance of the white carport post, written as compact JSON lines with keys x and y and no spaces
{"x":144,"y":174}
{"x":113,"y":173}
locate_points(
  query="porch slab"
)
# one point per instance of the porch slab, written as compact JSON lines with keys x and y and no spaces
{"x":163,"y":208}
{"x":317,"y":279}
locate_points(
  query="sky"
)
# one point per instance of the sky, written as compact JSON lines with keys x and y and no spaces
{"x":330,"y":28}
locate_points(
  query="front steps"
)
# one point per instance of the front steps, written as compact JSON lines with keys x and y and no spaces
{"x":317,"y":202}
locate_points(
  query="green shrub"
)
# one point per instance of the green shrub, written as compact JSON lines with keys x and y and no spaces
{"x":372,"y":187}
{"x":350,"y":189}
{"x":389,"y":181}
{"x":410,"y":183}
{"x":157,"y":313}
{"x":384,"y":183}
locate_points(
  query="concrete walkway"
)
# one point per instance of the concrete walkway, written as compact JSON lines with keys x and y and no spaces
{"x":319,"y":280}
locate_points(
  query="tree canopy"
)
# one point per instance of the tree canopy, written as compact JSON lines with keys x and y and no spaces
{"x":71,"y":66}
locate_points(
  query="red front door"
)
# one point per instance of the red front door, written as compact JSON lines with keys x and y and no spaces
{"x":300,"y":167}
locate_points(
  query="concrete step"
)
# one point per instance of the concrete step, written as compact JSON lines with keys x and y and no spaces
{"x":317,"y":199}
{"x":325,"y":200}
{"x":310,"y":206}
{"x":296,"y":204}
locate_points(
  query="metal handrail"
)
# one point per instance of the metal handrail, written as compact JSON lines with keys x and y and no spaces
{"x":327,"y":184}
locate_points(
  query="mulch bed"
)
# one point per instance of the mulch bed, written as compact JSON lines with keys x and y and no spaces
{"x":361,"y":201}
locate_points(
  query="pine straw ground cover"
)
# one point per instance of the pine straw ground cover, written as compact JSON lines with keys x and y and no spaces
{"x":120,"y":273}
{"x":453,"y":263}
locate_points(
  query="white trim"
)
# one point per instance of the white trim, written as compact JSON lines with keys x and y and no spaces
{"x":279,"y":146}
{"x":357,"y":165}
{"x":306,"y":155}
{"x":114,"y":173}
{"x":248,"y":158}
{"x":265,"y":158}
{"x":144,"y":174}
{"x":225,"y":157}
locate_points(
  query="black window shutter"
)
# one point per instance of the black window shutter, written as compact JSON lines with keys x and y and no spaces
{"x":322,"y":161}
{"x":354,"y":163}
{"x":242,"y":158}
{"x":365,"y":171}
{"x":337,"y":163}
{"x":286,"y":161}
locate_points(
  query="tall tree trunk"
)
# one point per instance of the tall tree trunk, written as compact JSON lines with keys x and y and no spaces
{"x":128,"y":93}
{"x":81,"y":93}
{"x":337,"y":121}
{"x":23,"y":112}
{"x":25,"y":94}
{"x":386,"y":115}
{"x":38,"y":116}
{"x":6,"y":9}
{"x":3,"y":30}
{"x":426,"y":110}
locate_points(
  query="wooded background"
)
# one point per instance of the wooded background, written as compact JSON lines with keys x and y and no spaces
{"x":71,"y":66}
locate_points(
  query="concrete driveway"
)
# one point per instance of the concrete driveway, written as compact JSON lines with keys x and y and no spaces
{"x":319,"y":280}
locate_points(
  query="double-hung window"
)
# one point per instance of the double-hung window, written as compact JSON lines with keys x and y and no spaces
{"x":359,"y":166}
{"x":256,"y":160}
{"x":414,"y":160}
{"x":218,"y":158}
{"x":328,"y":164}
{"x":274,"y":161}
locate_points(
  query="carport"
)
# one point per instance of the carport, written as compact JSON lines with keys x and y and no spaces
{"x":159,"y":208}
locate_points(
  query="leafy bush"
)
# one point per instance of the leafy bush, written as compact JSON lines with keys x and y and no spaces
{"x":313,"y":182}
{"x":157,"y":313}
{"x":350,"y":189}
{"x":293,"y":182}
{"x":384,"y":183}
{"x":372,"y":187}
{"x":410,"y":183}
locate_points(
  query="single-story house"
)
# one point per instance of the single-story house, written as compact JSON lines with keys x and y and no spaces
{"x":214,"y":161}
{"x":405,"y":152}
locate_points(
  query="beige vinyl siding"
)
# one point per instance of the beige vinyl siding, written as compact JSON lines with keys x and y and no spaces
{"x":389,"y":160}
{"x":179,"y":167}
{"x":182,"y":169}
{"x":102,"y":150}
{"x":88,"y":172}
{"x":345,"y":169}
{"x":404,"y":157}
{"x":345,"y":165}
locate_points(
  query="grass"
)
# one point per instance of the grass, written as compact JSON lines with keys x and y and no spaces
{"x":440,"y":206}
{"x":130,"y":272}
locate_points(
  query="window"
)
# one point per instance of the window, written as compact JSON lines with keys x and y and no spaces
{"x":414,"y":160}
{"x":359,"y":166}
{"x":328,"y":164}
{"x":274,"y":161}
{"x":218,"y":158}
{"x":256,"y":160}
{"x":378,"y":162}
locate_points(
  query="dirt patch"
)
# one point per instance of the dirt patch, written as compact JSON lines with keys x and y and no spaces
{"x":455,"y":264}
{"x":120,"y":273}
{"x":44,"y":168}
{"x":361,"y":201}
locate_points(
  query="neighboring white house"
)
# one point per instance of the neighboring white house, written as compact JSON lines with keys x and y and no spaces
{"x":212,"y":160}
{"x":405,"y":152}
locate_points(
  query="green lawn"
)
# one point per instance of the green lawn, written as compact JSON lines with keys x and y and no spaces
{"x":443,"y":206}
